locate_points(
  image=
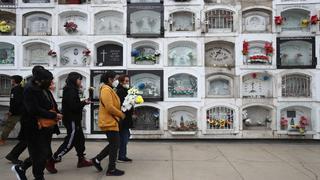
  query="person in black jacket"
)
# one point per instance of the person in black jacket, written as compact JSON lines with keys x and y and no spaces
{"x":126,"y":124}
{"x":72,"y":116}
{"x":15,"y":109}
{"x":38,"y":102}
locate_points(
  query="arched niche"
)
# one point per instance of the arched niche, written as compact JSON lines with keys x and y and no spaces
{"x":145,"y":53}
{"x":182,"y":118}
{"x":72,"y":55}
{"x":220,"y":117}
{"x":36,"y":53}
{"x":181,"y":21}
{"x":293,"y":116}
{"x":108,"y":22}
{"x":182,"y":53}
{"x":257,"y":118}
{"x":219,"y":85}
{"x":146,"y":118}
{"x":256,"y":21}
{"x":257,"y":85}
{"x":7,"y":55}
{"x":5,"y":85}
{"x":109,"y":53}
{"x":296,"y":85}
{"x":219,"y":20}
{"x":182,"y":86}
{"x":293,"y":18}
{"x":8,"y":23}
{"x":219,"y":53}
{"x":73,"y":23}
{"x":37,"y":24}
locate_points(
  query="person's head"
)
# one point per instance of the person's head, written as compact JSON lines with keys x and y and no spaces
{"x":74,"y":79}
{"x":16,"y":80}
{"x":109,"y":78}
{"x":124,"y":80}
{"x":36,"y":69}
{"x":52,"y":86}
{"x":43,"y":79}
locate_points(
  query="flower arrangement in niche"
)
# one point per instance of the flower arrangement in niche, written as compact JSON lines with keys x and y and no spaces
{"x":305,"y":23}
{"x":86,"y":56}
{"x":268,"y":48}
{"x":5,"y":27}
{"x":303,"y":123}
{"x":134,"y":97}
{"x":190,"y":125}
{"x":52,"y":53}
{"x":70,"y":27}
{"x":245,"y":48}
{"x":278,"y":20}
{"x":86,"y":52}
{"x":139,"y":56}
{"x":283,"y":123}
{"x":314,"y":20}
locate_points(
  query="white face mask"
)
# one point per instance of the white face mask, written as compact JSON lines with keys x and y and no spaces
{"x":115,"y":83}
{"x":126,"y":86}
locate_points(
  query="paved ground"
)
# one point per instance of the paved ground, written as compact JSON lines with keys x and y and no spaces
{"x":205,"y":160}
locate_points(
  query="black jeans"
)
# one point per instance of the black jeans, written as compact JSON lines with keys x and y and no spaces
{"x":124,"y":139}
{"x":18,"y":149}
{"x":75,"y":138}
{"x":111,"y":149}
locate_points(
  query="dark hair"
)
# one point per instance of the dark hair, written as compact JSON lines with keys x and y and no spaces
{"x":72,"y":79}
{"x":123,"y":77}
{"x":17,"y":79}
{"x":36,"y":69}
{"x":43,"y":75}
{"x":104,"y":77}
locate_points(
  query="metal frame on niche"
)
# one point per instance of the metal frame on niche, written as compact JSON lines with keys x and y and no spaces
{"x":131,"y":8}
{"x":311,"y":40}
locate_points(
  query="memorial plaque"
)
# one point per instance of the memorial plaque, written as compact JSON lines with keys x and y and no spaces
{"x":182,"y":54}
{"x":219,"y":54}
{"x":182,"y":21}
{"x":256,"y":21}
{"x":37,"y":24}
{"x":182,"y":86}
{"x":6,"y":54}
{"x":256,"y":85}
{"x":146,"y":118}
{"x":71,"y":55}
{"x":296,"y":52}
{"x":110,"y":55}
{"x":219,"y":87}
{"x":78,"y":18}
{"x":109,"y":22}
{"x":36,"y":54}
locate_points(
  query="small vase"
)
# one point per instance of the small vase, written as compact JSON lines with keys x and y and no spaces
{"x":314,"y":28}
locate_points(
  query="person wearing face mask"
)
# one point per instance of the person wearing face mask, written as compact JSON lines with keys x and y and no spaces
{"x":39,"y":106}
{"x":108,"y":121}
{"x":126,"y":124}
{"x":72,"y":108}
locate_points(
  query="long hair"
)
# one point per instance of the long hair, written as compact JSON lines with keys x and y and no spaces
{"x":72,"y":78}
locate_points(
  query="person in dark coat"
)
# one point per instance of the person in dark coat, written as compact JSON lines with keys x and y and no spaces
{"x":127,"y":123}
{"x":38,"y":102}
{"x":72,"y":117}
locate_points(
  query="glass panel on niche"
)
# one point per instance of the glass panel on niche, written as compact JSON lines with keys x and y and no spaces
{"x":145,"y":20}
{"x":146,"y":118}
{"x":296,"y":85}
{"x":182,"y":119}
{"x":182,"y":85}
{"x":6,"y":54}
{"x":153,"y":81}
{"x":256,"y":85}
{"x":3,"y":115}
{"x":5,"y":86}
{"x":256,"y":118}
{"x":109,"y":55}
{"x":8,"y":23}
{"x":95,"y":80}
{"x":73,"y":23}
{"x":219,"y":87}
{"x":109,"y":22}
{"x":256,"y":21}
{"x":182,"y":21}
{"x":182,"y":53}
{"x":37,"y":24}
{"x":219,"y":20}
{"x":293,"y":20}
{"x":7,"y":2}
{"x":36,"y":54}
{"x":71,"y":55}
{"x":296,"y":52}
{"x":145,"y":53}
{"x":219,"y":54}
{"x":296,"y":119}
{"x":220,"y":118}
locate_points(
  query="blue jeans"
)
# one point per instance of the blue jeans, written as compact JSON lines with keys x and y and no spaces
{"x":124,"y":138}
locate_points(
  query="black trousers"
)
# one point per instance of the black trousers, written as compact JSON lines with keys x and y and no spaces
{"x":75,"y":138}
{"x":18,"y":149}
{"x":39,"y":147}
{"x":111,"y":149}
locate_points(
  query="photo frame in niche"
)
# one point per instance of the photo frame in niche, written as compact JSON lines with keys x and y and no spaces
{"x":182,"y":86}
{"x":110,"y":55}
{"x":7,"y":56}
{"x":182,"y":53}
{"x":182,"y":118}
{"x":8,"y":23}
{"x":146,"y":118}
{"x":37,"y":24}
{"x":145,"y":20}
{"x":296,"y":52}
{"x":109,"y":22}
{"x":95,"y":76}
{"x":153,"y":81}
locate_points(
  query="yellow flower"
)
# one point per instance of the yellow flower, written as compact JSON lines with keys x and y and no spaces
{"x":304,"y":22}
{"x":139,"y":100}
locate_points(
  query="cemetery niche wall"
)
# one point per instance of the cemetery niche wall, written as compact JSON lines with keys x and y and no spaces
{"x":182,"y":53}
{"x":256,"y":21}
{"x":219,"y":54}
{"x":74,"y":54}
{"x":145,"y":53}
{"x":73,"y":23}
{"x":36,"y":53}
{"x":296,"y":120}
{"x":7,"y":23}
{"x":109,"y":54}
{"x":182,"y":119}
{"x":7,"y":54}
{"x":219,"y":85}
{"x":109,"y":22}
{"x":37,"y":24}
{"x":257,"y":118}
{"x":296,"y":52}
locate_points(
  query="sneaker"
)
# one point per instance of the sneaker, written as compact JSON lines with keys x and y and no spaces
{"x":50,"y":166}
{"x":13,"y":160}
{"x":96,"y":164}
{"x":125,"y":160}
{"x":20,"y":173}
{"x":82,"y":162}
{"x":115,"y":172}
{"x":2,"y":142}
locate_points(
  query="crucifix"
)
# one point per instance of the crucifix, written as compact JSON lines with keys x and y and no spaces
{"x":104,"y":53}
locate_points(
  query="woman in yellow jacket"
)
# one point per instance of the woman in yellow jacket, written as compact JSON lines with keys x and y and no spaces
{"x":108,"y":121}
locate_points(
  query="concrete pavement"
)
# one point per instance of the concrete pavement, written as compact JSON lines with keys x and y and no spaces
{"x":192,"y":160}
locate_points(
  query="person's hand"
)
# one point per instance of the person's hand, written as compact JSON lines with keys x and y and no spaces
{"x":87,"y":101}
{"x":59,"y":117}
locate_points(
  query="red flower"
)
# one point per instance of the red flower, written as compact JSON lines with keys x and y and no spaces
{"x":314,"y":19}
{"x":52,"y":53}
{"x":86,"y":52}
{"x":278,"y":20}
{"x":70,"y":26}
{"x":303,"y":122}
{"x":268,"y":48}
{"x":283,"y":121}
{"x":254,"y":75}
{"x":245,"y":48}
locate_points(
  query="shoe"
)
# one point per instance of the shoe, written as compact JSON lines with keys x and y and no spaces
{"x":2,"y":142}
{"x":13,"y":160}
{"x":20,"y":173}
{"x":96,"y":164}
{"x":125,"y":160}
{"x":82,"y":162}
{"x":50,"y":166}
{"x":115,"y":172}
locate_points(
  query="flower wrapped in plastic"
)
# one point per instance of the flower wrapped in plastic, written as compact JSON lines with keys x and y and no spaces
{"x":134,"y":97}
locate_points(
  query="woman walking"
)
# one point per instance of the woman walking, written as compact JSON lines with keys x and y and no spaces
{"x":108,"y":121}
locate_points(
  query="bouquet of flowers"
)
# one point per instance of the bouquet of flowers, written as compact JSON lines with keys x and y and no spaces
{"x":5,"y":27}
{"x":278,"y":20}
{"x":305,"y":22}
{"x":70,"y":27}
{"x":245,"y":48}
{"x":314,"y":19}
{"x":283,"y":123}
{"x":268,"y":48}
{"x":86,"y":52}
{"x":133,"y":98}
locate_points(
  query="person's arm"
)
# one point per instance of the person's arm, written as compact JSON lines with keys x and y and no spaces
{"x":106,"y":98}
{"x":122,"y":95}
{"x":72,"y":100}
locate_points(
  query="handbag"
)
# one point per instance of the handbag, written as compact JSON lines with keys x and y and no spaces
{"x":46,"y":123}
